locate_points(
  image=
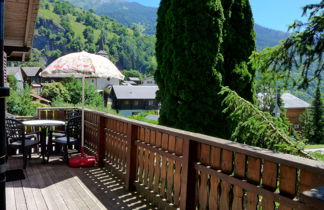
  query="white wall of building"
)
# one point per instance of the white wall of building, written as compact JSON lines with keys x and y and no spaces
{"x":101,"y":83}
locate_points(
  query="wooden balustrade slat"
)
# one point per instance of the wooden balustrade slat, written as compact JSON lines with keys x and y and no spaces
{"x":152,"y":137}
{"x":177,"y":183}
{"x":170,"y":180}
{"x":140,"y":164}
{"x":287,"y":186}
{"x":214,"y":181}
{"x":151,"y":170}
{"x":165,"y":141}
{"x":50,"y":115}
{"x":147,"y":135}
{"x":163,"y":176}
{"x":269,"y":181}
{"x":157,"y":172}
{"x":179,"y":146}
{"x":253,"y":175}
{"x":142,"y":134}
{"x":239,"y":171}
{"x":216,"y":157}
{"x":42,"y":114}
{"x":146,"y":166}
{"x":204,"y":158}
{"x":171,"y":144}
{"x":158,"y":139}
{"x":227,"y":167}
{"x":306,"y":180}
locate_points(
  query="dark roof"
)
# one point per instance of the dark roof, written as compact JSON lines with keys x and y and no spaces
{"x":31,"y":71}
{"x":135,"y":92}
{"x":12,"y":70}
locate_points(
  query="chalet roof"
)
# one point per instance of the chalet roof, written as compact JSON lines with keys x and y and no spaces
{"x":134,"y":79}
{"x":19,"y":24}
{"x":290,"y":101}
{"x":129,"y":83}
{"x":135,"y":92}
{"x":12,"y":70}
{"x":31,"y":71}
{"x":40,"y":98}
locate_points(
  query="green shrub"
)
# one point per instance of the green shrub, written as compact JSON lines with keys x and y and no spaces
{"x":55,"y":91}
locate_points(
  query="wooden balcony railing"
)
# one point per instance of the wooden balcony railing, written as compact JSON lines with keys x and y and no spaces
{"x":179,"y":169}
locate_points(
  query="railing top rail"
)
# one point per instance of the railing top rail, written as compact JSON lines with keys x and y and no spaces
{"x":278,"y":157}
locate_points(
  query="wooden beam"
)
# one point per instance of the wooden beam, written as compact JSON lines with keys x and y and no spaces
{"x":13,"y":43}
{"x":28,"y":19}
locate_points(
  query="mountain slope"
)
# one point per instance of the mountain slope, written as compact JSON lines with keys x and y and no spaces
{"x":130,"y":13}
{"x":62,"y":28}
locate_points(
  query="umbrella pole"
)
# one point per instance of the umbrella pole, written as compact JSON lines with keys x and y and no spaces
{"x":82,"y":126}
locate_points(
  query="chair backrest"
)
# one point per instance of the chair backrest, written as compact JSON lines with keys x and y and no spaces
{"x":69,"y":114}
{"x":73,"y":128}
{"x":15,"y":130}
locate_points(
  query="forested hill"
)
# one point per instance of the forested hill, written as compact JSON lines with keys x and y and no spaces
{"x":62,"y":28}
{"x":130,"y":13}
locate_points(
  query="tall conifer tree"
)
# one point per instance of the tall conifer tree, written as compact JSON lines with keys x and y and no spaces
{"x":318,"y":116}
{"x":191,"y":54}
{"x":238,"y":45}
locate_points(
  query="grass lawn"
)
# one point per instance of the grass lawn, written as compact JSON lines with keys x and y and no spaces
{"x":314,"y":146}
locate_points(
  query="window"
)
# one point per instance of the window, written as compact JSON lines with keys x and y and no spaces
{"x":126,"y":102}
{"x":135,"y":103}
{"x":296,"y":126}
{"x":150,"y":102}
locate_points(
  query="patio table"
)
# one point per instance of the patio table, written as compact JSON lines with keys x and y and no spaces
{"x":44,"y":125}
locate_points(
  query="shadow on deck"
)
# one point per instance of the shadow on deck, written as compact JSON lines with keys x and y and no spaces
{"x":57,"y":186}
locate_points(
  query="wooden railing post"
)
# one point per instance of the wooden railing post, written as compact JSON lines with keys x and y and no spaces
{"x":131,"y":156}
{"x":101,"y":141}
{"x":314,"y":198}
{"x":188,"y":179}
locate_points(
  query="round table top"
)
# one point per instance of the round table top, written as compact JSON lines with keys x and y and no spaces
{"x":43,"y":122}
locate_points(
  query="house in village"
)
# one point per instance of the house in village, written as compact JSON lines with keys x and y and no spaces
{"x":135,"y":80}
{"x":295,"y":107}
{"x":148,"y":81}
{"x":31,"y":75}
{"x":130,"y":100}
{"x":17,"y":73}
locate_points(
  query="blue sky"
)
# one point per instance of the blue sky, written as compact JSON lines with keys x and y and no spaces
{"x":274,"y":14}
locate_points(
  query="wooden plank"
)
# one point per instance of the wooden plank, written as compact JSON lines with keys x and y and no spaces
{"x":28,"y":193}
{"x":170,"y":176}
{"x":131,"y":156}
{"x":253,"y":175}
{"x":306,"y":180}
{"x":165,"y":142}
{"x":151,"y":170}
{"x":10,"y":196}
{"x":216,"y":157}
{"x":140,"y":158}
{"x":287,"y":185}
{"x":177,"y":183}
{"x":251,"y":187}
{"x":188,"y":183}
{"x":179,"y":146}
{"x":147,"y":135}
{"x":239,"y":172}
{"x":227,"y":167}
{"x":163,"y":176}
{"x":146,"y":167}
{"x":203,"y":186}
{"x":157,"y":173}
{"x":288,"y":179}
{"x":269,"y":181}
{"x":158,"y":139}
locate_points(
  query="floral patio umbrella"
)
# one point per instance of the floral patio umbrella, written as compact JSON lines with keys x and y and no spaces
{"x":81,"y":65}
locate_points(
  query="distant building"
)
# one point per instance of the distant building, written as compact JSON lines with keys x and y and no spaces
{"x":135,"y":79}
{"x":17,"y":73}
{"x":149,"y":81}
{"x":31,"y":74}
{"x":295,"y":107}
{"x":130,"y":100}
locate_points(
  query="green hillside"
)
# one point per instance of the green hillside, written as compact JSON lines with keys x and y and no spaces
{"x":130,"y":13}
{"x":62,"y":28}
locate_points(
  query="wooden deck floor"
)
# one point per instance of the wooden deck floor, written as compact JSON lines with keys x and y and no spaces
{"x":57,"y":186}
